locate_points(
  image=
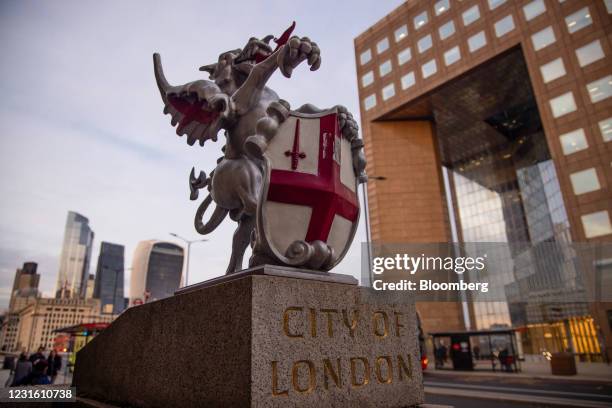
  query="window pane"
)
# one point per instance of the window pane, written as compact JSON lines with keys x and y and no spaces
{"x":608,"y":4}
{"x":441,"y":6}
{"x":470,"y":15}
{"x":388,"y":91}
{"x":573,"y":141}
{"x":385,"y":68}
{"x":493,"y":4}
{"x":600,"y":89}
{"x":365,"y":56}
{"x":605,"y":127}
{"x":596,"y":224}
{"x":429,"y":68}
{"x":585,"y":181}
{"x":578,"y":20}
{"x":477,"y":41}
{"x":534,"y":9}
{"x":369,"y":102}
{"x":382,"y":45}
{"x":543,"y":38}
{"x":446,"y":30}
{"x":589,"y":53}
{"x":424,"y":43}
{"x":563,"y":104}
{"x":504,"y":26}
{"x":408,"y":80}
{"x":421,"y":20}
{"x":451,"y":56}
{"x":367,"y":78}
{"x":404,"y":56}
{"x":553,"y":70}
{"x":401,"y":33}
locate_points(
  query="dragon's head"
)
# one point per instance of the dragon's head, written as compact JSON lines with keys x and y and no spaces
{"x":234,"y":66}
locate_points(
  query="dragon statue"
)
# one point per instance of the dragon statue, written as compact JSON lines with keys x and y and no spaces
{"x":237,"y":101}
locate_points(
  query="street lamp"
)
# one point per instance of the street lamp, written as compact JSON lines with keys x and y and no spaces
{"x":367,"y":221}
{"x":188,"y":242}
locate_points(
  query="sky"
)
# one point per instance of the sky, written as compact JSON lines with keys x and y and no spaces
{"x":82,"y":127}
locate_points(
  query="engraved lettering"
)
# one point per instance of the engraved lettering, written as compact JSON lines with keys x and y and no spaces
{"x":403,"y":368}
{"x":366,"y":372}
{"x":385,"y":320}
{"x":311,"y":376}
{"x":397,"y":323}
{"x":313,"y":322}
{"x":352,"y":325}
{"x":275,"y":391}
{"x":330,"y":321}
{"x":328,"y":370}
{"x":286,"y":322}
{"x":388,"y":379}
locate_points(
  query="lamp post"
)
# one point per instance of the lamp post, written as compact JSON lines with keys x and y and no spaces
{"x":367,"y":221}
{"x":188,"y":242}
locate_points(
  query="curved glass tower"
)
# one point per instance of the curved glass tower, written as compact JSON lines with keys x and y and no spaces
{"x":157,"y":271}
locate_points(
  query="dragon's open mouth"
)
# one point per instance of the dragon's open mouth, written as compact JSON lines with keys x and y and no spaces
{"x":254,"y":53}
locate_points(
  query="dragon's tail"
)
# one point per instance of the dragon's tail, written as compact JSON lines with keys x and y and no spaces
{"x":217,"y":216}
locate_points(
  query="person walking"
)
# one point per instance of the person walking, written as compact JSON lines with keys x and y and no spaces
{"x":37,"y":356}
{"x":39,"y":374}
{"x":23,"y":369}
{"x":54,"y":365}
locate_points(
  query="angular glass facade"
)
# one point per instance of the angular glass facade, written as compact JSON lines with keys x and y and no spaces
{"x":503,"y":187}
{"x":76,"y":254}
{"x":109,"y":278}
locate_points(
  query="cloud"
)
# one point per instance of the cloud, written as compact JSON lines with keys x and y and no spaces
{"x":81,"y":126}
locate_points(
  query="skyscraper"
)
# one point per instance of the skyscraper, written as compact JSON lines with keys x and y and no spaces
{"x":492,"y":119}
{"x":25,"y":284}
{"x":25,"y":292}
{"x":156,"y":271}
{"x":76,"y":253}
{"x":109,"y":278}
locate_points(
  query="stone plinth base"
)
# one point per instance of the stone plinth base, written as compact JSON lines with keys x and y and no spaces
{"x":259,"y":340}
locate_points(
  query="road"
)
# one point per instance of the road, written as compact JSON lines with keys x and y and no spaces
{"x":463,"y":390}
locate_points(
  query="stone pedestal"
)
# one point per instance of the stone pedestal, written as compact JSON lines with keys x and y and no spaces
{"x":267,"y":337}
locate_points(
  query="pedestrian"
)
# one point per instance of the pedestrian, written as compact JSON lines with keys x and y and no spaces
{"x":54,"y":365}
{"x":23,"y":369}
{"x":39,"y":373}
{"x":440,"y":355}
{"x":476,"y":351}
{"x":503,"y":359}
{"x":37,"y":356}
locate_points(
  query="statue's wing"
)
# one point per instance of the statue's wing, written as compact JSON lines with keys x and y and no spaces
{"x":196,"y":108}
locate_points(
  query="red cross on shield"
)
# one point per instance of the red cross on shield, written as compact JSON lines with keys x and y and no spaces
{"x":310,"y":188}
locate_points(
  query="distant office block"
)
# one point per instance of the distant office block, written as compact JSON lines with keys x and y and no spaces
{"x":76,"y":253}
{"x":156,"y":271}
{"x":109,"y":278}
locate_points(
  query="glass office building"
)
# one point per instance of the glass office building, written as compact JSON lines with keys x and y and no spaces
{"x":75,"y":257}
{"x":492,"y":123}
{"x":157,"y":271}
{"x":109,"y":278}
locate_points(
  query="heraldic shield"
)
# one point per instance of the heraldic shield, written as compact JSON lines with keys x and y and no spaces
{"x":309,"y":207}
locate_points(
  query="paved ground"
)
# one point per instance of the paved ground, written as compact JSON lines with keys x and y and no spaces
{"x":469,"y":402}
{"x":468,"y":389}
{"x":538,"y":368}
{"x":62,"y":378}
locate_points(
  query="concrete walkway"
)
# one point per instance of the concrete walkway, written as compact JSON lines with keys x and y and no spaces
{"x":538,"y":369}
{"x":62,"y":378}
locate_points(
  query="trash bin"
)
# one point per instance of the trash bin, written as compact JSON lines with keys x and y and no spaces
{"x":563,"y":364}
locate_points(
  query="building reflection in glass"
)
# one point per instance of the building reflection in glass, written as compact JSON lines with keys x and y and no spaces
{"x":503,"y":187}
